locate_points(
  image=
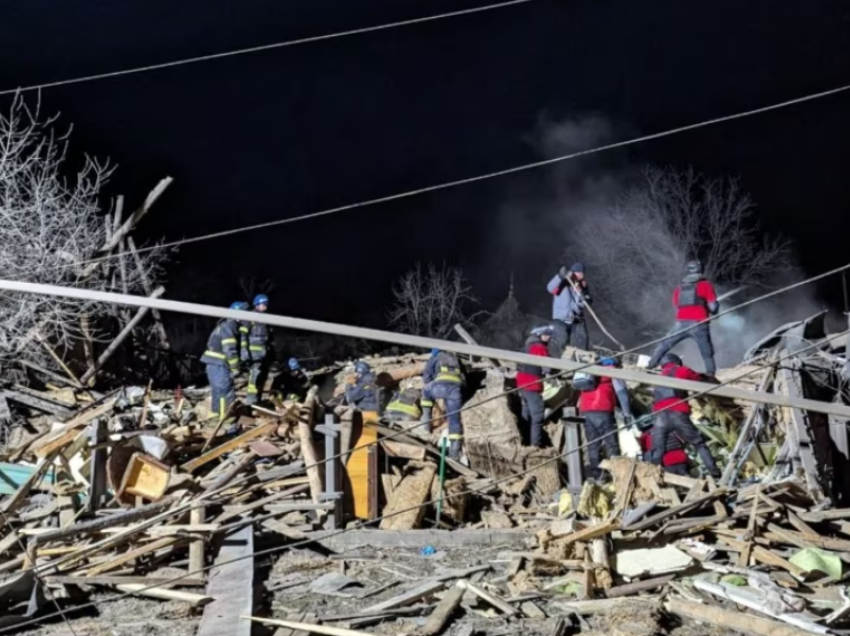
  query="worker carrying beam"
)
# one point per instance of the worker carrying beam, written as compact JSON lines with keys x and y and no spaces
{"x":255,"y":350}
{"x":673,"y":415}
{"x":694,"y":300}
{"x":570,"y":295}
{"x":529,"y":381}
{"x":363,"y":394}
{"x":444,"y":379}
{"x":598,"y":398}
{"x":222,"y":361}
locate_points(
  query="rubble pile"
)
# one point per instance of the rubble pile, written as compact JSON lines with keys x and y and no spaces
{"x":327,"y":520}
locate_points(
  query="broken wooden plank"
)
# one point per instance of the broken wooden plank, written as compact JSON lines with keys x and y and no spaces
{"x":229,"y":446}
{"x":404,"y":510}
{"x":406,"y":598}
{"x":326,"y":630}
{"x":139,"y":589}
{"x":591,"y":532}
{"x":231,"y":584}
{"x":744,"y":622}
{"x":675,"y":510}
{"x":506,"y":608}
{"x":443,"y":612}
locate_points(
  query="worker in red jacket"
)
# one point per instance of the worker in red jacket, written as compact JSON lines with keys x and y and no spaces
{"x":675,"y":458}
{"x":597,"y":403}
{"x":695,"y":301}
{"x":529,"y":381}
{"x":673,"y":415}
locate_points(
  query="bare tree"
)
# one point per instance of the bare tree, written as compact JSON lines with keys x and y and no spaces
{"x":52,"y":231}
{"x":429,"y":301}
{"x":251,"y":286}
{"x":636,"y":251}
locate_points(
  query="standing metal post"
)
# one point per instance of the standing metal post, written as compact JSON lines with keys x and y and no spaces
{"x":333,"y":474}
{"x":97,"y":435}
{"x":572,"y":453}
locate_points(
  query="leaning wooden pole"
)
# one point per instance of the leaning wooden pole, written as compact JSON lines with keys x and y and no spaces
{"x":120,"y":338}
{"x":287,"y":322}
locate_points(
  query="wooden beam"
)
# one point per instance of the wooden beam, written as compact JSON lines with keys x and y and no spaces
{"x":227,"y":447}
{"x":443,"y":612}
{"x":120,"y":338}
{"x":744,"y":622}
{"x":231,"y":584}
{"x":505,"y":608}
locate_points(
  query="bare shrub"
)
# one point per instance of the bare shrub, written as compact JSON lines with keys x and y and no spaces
{"x":51,"y":228}
{"x":430,"y":300}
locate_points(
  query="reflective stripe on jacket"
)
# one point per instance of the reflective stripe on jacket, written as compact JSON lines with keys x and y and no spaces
{"x":223,"y":345}
{"x":255,"y":344}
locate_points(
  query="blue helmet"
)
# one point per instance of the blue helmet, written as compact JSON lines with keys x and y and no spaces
{"x":261,"y":299}
{"x":294,"y":365}
{"x":361,"y":367}
{"x":608,"y":362}
{"x":434,"y":352}
{"x":239,"y":305}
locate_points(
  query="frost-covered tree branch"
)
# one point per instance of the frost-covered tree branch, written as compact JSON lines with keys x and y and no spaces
{"x":51,"y":229}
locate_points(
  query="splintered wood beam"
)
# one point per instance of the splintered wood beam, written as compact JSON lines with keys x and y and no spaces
{"x":236,"y":442}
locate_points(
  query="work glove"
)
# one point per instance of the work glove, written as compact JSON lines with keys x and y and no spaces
{"x":563,"y":273}
{"x":630,"y":421}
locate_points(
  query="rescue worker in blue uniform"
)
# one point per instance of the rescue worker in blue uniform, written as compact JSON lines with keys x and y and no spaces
{"x":292,"y":383}
{"x":443,"y":378}
{"x":363,"y":394}
{"x":222,"y":361}
{"x":404,"y":407}
{"x":255,"y":350}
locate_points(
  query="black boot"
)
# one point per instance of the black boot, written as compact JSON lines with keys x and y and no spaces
{"x":708,"y":461}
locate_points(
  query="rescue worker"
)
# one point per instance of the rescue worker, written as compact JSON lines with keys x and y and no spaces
{"x":363,"y":394}
{"x":675,"y":458}
{"x":570,"y":294}
{"x":255,"y":350}
{"x":222,"y":361}
{"x":444,"y":378}
{"x":293,"y":383}
{"x":695,"y":301}
{"x":597,"y":405}
{"x":673,"y":415}
{"x":529,"y":381}
{"x":404,"y":407}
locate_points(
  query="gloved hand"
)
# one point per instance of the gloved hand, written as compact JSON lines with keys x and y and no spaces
{"x":630,"y":421}
{"x":563,"y":273}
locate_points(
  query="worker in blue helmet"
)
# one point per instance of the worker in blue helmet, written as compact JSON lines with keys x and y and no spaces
{"x":292,"y":382}
{"x":363,"y":393}
{"x":444,"y":378}
{"x":222,"y":361}
{"x":255,"y":350}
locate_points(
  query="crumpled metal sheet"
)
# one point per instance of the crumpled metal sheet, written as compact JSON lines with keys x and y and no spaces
{"x":20,"y":598}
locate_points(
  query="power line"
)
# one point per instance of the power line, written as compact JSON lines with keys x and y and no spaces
{"x":514,"y":475}
{"x":265,"y":47}
{"x":486,"y":176}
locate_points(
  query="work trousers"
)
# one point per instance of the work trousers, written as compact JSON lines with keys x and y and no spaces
{"x":677,"y":469}
{"x":450,"y":393}
{"x":685,"y":329}
{"x":532,"y":415}
{"x":223,"y":391}
{"x":600,"y":430}
{"x":255,"y":384}
{"x":675,"y":422}
{"x":568,"y":333}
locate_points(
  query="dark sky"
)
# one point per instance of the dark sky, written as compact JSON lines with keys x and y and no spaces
{"x":275,"y":134}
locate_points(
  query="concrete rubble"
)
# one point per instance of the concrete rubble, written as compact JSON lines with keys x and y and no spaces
{"x":313,"y":519}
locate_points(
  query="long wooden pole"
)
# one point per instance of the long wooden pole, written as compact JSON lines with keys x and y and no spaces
{"x":303,"y":324}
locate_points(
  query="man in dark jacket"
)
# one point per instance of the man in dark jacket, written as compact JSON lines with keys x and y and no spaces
{"x":363,"y":394}
{"x":695,"y":301}
{"x":404,"y":407}
{"x":597,"y":405}
{"x":673,"y":415}
{"x":292,"y":383}
{"x":222,"y":361}
{"x":570,"y":294}
{"x":444,"y":378}
{"x":529,"y":381}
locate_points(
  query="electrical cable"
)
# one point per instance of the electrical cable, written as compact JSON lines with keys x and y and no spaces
{"x":331,"y":534}
{"x":481,"y":177}
{"x":264,"y":47}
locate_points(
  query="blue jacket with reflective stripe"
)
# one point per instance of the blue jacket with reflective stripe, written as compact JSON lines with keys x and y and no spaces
{"x":223,"y":345}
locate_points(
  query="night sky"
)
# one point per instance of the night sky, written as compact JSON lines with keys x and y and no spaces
{"x":281,"y":133}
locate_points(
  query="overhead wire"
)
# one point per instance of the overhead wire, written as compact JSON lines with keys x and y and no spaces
{"x":328,"y":535}
{"x":482,"y":177}
{"x":264,"y":47}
